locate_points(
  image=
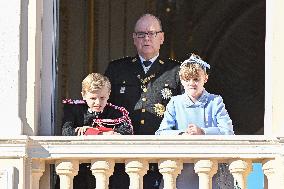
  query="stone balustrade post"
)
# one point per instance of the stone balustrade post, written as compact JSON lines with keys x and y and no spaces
{"x":102,"y":170}
{"x":67,"y":169}
{"x":268,"y":168}
{"x":38,"y":167}
{"x":136,"y":169}
{"x":240,"y":170}
{"x":170,"y":169}
{"x":279,"y":160}
{"x":205,"y":170}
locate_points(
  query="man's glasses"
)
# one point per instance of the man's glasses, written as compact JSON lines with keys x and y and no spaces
{"x":151,"y":34}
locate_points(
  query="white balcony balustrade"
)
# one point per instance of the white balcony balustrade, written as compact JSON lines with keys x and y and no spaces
{"x":170,"y":152}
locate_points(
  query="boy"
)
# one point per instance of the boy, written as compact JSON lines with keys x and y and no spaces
{"x":94,"y":114}
{"x":196,"y":112}
{"x":94,"y":111}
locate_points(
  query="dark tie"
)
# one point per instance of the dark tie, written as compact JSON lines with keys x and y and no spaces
{"x":147,"y":63}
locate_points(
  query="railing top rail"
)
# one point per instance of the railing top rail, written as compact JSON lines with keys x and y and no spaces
{"x":249,"y":138}
{"x":146,"y":147}
{"x":157,"y":146}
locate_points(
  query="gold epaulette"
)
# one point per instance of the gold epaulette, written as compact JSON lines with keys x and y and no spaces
{"x":121,"y":59}
{"x":174,"y":60}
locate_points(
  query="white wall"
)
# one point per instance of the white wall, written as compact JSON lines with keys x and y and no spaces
{"x":10,"y":17}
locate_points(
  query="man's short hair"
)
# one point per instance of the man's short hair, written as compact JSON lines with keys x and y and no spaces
{"x":151,"y":15}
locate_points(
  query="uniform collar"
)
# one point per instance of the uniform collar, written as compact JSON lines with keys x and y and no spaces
{"x":151,"y":60}
{"x":146,"y":69}
{"x":202,"y":101}
{"x":93,"y":112}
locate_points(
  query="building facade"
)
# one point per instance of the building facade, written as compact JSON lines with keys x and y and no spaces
{"x":28,"y":147}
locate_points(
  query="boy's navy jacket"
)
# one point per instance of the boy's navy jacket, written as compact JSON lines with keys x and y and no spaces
{"x":76,"y":114}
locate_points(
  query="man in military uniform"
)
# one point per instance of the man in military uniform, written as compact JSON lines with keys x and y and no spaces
{"x":145,"y":83}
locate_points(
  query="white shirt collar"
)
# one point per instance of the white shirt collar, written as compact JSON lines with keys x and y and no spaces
{"x":148,"y":67}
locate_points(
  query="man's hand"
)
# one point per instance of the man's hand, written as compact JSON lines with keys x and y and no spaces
{"x":81,"y":130}
{"x":192,"y":129}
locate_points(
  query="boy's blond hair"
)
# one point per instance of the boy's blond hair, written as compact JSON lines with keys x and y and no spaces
{"x":188,"y":71}
{"x":94,"y":82}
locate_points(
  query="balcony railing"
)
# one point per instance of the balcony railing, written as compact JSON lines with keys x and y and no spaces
{"x":170,"y":152}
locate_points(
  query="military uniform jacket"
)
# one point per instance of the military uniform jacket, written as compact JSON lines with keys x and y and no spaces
{"x":145,"y":96}
{"x":77,"y":115}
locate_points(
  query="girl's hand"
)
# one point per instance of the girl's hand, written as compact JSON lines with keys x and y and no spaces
{"x":192,"y":129}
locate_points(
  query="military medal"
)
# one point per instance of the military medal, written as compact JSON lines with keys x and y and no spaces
{"x":159,"y":109}
{"x":122,"y":90}
{"x":166,"y":92}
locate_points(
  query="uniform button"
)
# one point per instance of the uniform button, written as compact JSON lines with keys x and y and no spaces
{"x":144,"y":99}
{"x":144,"y":90}
{"x":143,"y":110}
{"x":142,"y":121}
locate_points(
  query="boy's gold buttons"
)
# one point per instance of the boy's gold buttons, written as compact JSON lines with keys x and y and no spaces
{"x":142,"y":121}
